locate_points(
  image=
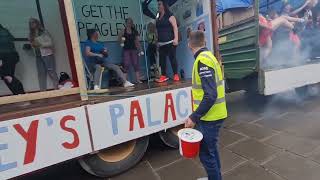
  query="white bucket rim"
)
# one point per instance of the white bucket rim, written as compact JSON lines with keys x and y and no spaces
{"x":194,"y":137}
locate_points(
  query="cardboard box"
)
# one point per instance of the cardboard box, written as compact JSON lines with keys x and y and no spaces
{"x":242,"y":14}
{"x":236,"y":15}
{"x":227,"y":18}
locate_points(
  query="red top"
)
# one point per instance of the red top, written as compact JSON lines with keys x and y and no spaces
{"x":265,"y":33}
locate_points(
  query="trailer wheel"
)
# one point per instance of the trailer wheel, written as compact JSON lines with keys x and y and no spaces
{"x":115,"y":160}
{"x":170,"y":137}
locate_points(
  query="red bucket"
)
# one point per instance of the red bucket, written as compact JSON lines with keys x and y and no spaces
{"x":190,"y":140}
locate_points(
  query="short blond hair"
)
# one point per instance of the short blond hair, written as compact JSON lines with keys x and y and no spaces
{"x":197,"y":39}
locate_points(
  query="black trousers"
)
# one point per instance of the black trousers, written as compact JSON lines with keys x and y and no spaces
{"x":9,"y":61}
{"x":151,"y":53}
{"x":165,"y":51}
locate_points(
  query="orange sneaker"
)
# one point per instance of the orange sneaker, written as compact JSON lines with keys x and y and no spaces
{"x":176,"y":77}
{"x":162,"y":79}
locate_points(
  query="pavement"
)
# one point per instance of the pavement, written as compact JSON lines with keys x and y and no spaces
{"x":278,"y":140}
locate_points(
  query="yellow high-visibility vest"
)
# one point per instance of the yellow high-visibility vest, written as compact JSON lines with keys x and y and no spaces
{"x":219,"y":110}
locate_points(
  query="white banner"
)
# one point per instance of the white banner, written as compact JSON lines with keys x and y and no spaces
{"x":123,"y":120}
{"x":108,"y":17}
{"x":35,"y":142}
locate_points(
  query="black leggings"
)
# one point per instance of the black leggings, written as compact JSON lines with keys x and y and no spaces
{"x":9,"y":61}
{"x":168,"y":51}
{"x":152,"y":53}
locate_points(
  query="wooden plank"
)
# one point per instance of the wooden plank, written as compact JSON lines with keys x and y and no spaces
{"x":39,"y":110}
{"x":37,"y":96}
{"x":75,"y":41}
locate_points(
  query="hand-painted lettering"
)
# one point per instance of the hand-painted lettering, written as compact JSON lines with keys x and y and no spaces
{"x":30,"y":137}
{"x":5,"y":167}
{"x":149,"y":114}
{"x":116,"y":111}
{"x":136,"y":112}
{"x":169,"y":106}
{"x":76,"y":140}
{"x":181,"y":94}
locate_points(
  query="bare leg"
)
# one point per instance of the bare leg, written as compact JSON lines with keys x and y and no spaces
{"x":281,"y":21}
{"x":293,"y":19}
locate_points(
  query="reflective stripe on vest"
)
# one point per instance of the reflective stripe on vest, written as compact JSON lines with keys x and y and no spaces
{"x":218,"y":110}
{"x":196,"y":86}
{"x":218,"y":101}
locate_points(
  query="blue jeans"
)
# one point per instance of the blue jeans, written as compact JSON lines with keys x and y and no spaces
{"x":92,"y":63}
{"x":209,"y":155}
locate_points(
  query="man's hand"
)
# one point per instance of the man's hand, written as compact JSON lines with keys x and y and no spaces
{"x":189,"y":123}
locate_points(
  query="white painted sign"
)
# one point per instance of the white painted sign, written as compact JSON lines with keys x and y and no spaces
{"x":35,"y":142}
{"x":108,"y":17}
{"x":123,"y":120}
{"x":277,"y":81}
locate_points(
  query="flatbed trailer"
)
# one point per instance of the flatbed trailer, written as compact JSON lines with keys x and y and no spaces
{"x":75,"y":122}
{"x":108,"y":131}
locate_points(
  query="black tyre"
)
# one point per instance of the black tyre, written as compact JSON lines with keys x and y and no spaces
{"x":170,"y":137}
{"x":115,"y":160}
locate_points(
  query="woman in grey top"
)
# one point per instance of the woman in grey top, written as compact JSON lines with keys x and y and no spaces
{"x":42,"y":43}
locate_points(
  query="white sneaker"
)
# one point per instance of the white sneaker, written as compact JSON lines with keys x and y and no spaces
{"x":128,"y":84}
{"x":204,"y":178}
{"x":96,"y":87}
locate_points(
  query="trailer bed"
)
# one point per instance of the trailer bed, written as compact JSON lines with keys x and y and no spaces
{"x":18,"y":110}
{"x":281,"y":80}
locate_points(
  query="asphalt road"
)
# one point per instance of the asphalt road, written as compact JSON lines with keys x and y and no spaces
{"x":278,"y":140}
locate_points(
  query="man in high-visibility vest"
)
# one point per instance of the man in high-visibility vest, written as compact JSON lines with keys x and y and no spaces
{"x":209,"y":103}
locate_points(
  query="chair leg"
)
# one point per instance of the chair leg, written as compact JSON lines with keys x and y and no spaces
{"x":101,"y":74}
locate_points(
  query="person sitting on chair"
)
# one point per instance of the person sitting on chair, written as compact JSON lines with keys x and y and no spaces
{"x":97,"y":54}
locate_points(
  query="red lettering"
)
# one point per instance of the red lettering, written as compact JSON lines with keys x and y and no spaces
{"x":30,"y":137}
{"x":135,"y":111}
{"x":63,"y":126}
{"x":169,"y":106}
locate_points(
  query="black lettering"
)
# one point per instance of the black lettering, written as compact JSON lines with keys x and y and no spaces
{"x":96,"y":26}
{"x":113,"y":32}
{"x":119,"y":27}
{"x":117,"y":12}
{"x":87,"y":25}
{"x":85,"y":13}
{"x":80,"y":27}
{"x":100,"y":9}
{"x":104,"y":29}
{"x":125,"y":12}
{"x":110,"y":11}
{"x":93,"y":10}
